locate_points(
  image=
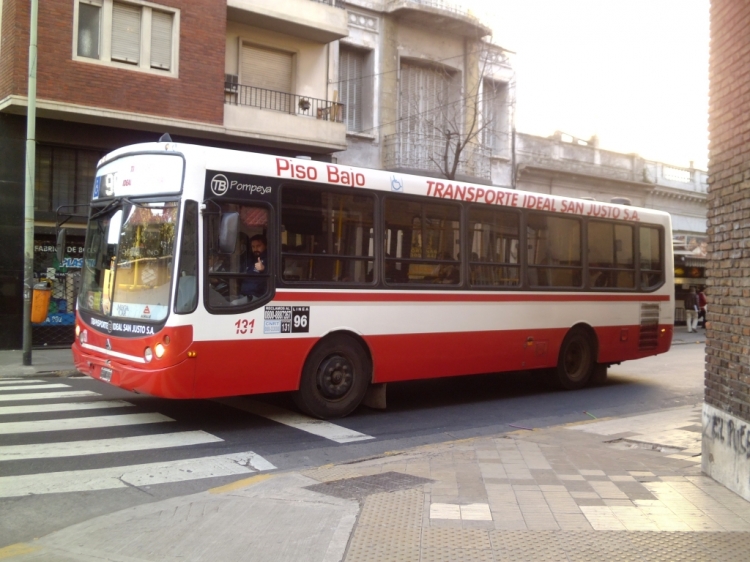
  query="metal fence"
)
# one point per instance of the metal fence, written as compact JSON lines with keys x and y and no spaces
{"x":335,"y":3}
{"x":58,"y":330}
{"x":293,"y":104}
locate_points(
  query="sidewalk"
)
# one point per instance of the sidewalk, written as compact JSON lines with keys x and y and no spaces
{"x":627,"y":488}
{"x":44,"y":362}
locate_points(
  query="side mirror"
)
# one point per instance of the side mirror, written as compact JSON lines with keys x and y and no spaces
{"x":61,"y":238}
{"x":230,"y":227}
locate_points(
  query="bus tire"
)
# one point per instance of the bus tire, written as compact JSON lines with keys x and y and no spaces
{"x":335,"y":378}
{"x":576,"y":360}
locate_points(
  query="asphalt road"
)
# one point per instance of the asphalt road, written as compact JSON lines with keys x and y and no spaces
{"x":163,"y":448}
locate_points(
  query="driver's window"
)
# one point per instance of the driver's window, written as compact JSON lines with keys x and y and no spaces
{"x":238,"y":278}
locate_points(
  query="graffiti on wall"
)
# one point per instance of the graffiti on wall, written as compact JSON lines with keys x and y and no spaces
{"x":727,"y":430}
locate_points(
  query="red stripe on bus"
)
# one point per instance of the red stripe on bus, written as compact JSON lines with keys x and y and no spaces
{"x":238,"y":367}
{"x":301,"y":296}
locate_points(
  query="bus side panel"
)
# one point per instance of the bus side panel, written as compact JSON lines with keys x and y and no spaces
{"x":233,"y":368}
{"x":423,"y":356}
{"x":622,"y":343}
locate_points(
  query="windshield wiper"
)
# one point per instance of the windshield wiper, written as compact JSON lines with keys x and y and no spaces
{"x":112,"y":204}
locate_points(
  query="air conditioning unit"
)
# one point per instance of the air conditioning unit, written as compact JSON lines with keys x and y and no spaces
{"x":231,"y":83}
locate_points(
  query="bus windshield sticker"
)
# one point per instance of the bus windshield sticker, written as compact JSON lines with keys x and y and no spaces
{"x":286,"y":319}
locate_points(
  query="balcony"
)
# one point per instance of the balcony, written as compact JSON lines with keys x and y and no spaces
{"x":322,"y":21}
{"x":447,"y":16}
{"x":283,"y":119}
{"x":417,"y":153}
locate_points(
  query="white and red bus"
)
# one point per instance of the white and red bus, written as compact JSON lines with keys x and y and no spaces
{"x":211,"y":272}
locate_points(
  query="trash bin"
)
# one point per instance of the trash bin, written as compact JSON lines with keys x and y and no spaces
{"x":40,"y":302}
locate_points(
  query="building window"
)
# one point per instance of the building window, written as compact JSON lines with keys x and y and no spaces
{"x":64,"y":176}
{"x":495,"y":111}
{"x":266,"y":78}
{"x":130,"y":34}
{"x":351,"y":86}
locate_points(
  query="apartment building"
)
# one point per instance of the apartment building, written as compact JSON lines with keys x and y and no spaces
{"x":371,"y":83}
{"x":244,"y":74}
{"x":418,"y":77}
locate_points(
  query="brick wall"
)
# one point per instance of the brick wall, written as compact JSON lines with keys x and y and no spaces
{"x":728,"y":334}
{"x":197,"y":95}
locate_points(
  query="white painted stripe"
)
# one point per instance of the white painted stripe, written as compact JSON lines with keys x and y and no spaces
{"x":20,"y":381}
{"x":6,"y":388}
{"x":136,"y":475}
{"x":100,"y":446}
{"x":117,"y":354}
{"x":298,"y":421}
{"x":47,"y":395}
{"x":81,"y":423}
{"x":64,"y":407}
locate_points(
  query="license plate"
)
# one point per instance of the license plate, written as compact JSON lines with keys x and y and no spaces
{"x":106,"y":374}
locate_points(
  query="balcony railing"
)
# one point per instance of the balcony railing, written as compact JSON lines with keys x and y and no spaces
{"x":237,"y":94}
{"x":414,"y":151}
{"x":335,"y":3}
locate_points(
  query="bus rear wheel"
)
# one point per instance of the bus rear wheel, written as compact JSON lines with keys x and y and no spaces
{"x":576,"y":360}
{"x":334,"y":379}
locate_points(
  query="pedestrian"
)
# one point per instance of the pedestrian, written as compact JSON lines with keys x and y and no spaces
{"x":691,"y":310}
{"x":702,"y":308}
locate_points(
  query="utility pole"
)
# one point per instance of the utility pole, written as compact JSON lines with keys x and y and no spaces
{"x":28,"y":227}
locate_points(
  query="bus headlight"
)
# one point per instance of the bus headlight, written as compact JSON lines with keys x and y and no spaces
{"x":159,"y":350}
{"x":78,"y":330}
{"x":84,"y":336}
{"x":148,"y":355}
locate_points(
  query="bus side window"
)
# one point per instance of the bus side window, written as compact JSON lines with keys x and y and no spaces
{"x":652,"y":266}
{"x":326,"y":237}
{"x":494,"y":237}
{"x":242,"y":277}
{"x":187,"y":283}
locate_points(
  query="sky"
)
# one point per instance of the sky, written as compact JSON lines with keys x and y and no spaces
{"x":632,"y":72}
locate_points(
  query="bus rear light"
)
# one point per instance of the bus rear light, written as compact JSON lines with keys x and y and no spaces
{"x":159,"y":350}
{"x":148,"y":355}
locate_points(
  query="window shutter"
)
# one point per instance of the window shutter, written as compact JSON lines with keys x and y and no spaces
{"x":265,"y":68}
{"x":351,"y":66}
{"x":161,"y":40}
{"x":126,"y":33}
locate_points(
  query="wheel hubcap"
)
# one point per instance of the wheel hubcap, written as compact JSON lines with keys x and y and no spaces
{"x":335,"y":376}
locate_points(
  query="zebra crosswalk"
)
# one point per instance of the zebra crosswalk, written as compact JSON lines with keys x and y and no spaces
{"x":22,"y":398}
{"x":48,"y":426}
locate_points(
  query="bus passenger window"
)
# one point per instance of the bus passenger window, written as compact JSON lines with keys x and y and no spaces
{"x":652,"y":266}
{"x":242,"y":277}
{"x":554,"y":251}
{"x":610,"y":256}
{"x":326,"y":237}
{"x":422,"y":243}
{"x":494,"y":239}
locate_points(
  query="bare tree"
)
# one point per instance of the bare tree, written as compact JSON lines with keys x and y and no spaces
{"x":463,"y":126}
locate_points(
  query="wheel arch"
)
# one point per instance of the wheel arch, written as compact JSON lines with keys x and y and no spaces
{"x":340,"y":332}
{"x":584,"y":326}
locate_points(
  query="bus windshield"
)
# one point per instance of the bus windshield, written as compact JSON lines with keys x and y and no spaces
{"x":128,"y":260}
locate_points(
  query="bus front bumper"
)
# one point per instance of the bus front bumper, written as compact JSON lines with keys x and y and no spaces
{"x":171,"y":381}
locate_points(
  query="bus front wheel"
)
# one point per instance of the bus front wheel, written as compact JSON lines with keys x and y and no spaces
{"x":576,"y":360}
{"x":334,"y":379}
